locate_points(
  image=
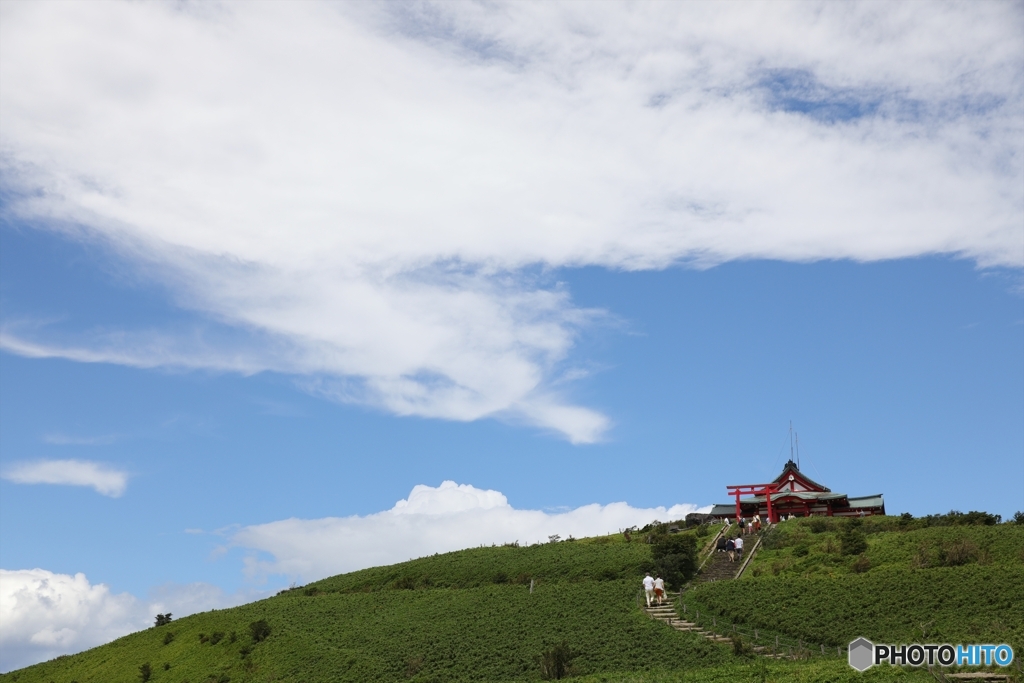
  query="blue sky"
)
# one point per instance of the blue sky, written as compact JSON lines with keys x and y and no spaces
{"x":259,"y":301}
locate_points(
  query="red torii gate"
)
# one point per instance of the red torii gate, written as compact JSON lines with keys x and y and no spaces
{"x":765,"y":490}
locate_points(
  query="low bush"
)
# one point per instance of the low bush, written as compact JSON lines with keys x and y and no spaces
{"x":259,"y":630}
{"x":861,"y":564}
{"x":818,"y":525}
{"x":675,"y":558}
{"x":556,"y":662}
{"x":851,"y":538}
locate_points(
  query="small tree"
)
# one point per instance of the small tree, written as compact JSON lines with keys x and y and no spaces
{"x":145,"y":672}
{"x":163,"y":619}
{"x":851,"y":539}
{"x":259,"y":630}
{"x":675,"y":558}
{"x":556,"y":663}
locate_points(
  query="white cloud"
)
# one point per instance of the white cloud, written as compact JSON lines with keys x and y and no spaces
{"x":431,"y":520}
{"x":357,"y":188}
{"x":44,"y":614}
{"x":104,"y":479}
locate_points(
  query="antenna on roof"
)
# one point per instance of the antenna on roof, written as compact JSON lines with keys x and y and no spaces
{"x":797,"y":437}
{"x":791,"y":441}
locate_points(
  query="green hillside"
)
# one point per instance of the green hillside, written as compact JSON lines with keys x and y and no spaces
{"x":470,"y":615}
{"x":909,"y":583}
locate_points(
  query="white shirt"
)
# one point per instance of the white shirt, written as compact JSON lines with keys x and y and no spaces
{"x":648,"y":583}
{"x":739,"y":543}
{"x":659,"y":583}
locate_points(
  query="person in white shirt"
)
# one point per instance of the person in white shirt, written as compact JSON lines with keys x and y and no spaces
{"x":739,"y":547}
{"x":659,"y":589}
{"x":649,"y":588}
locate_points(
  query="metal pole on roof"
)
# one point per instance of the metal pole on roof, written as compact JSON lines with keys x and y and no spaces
{"x":791,"y":440}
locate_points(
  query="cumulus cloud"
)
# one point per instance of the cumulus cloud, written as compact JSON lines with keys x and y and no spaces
{"x":44,"y":614}
{"x":431,"y":520}
{"x":103,"y":478}
{"x":363,"y":191}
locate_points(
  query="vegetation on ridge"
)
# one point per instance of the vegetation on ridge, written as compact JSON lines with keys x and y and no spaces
{"x":912,"y":582}
{"x":471,"y":616}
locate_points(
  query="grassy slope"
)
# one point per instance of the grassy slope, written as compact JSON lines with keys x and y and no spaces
{"x":804,"y":588}
{"x":765,"y":671}
{"x":470,"y":616}
{"x":465,"y":626}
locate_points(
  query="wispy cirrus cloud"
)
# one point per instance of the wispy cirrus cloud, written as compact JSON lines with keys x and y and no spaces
{"x":59,"y":439}
{"x":104,"y":479}
{"x":364,"y":193}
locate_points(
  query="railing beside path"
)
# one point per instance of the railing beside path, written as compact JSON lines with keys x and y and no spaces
{"x":768,"y":644}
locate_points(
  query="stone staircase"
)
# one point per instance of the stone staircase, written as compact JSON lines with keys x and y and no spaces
{"x":719,"y":568}
{"x":716,"y":567}
{"x":668,"y":614}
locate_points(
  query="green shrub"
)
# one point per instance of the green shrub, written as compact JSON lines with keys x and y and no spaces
{"x":861,"y":564}
{"x":556,"y":662}
{"x":168,"y":637}
{"x":145,"y":672}
{"x":413,"y":666}
{"x":851,"y":538}
{"x":675,"y":558}
{"x":163,"y":619}
{"x":405,"y":583}
{"x":957,"y":518}
{"x":259,"y":630}
{"x":741,"y":648}
{"x":818,"y":525}
{"x":957,"y":553}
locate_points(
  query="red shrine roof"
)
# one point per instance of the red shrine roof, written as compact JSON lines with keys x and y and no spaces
{"x":801,"y":480}
{"x":796,"y":486}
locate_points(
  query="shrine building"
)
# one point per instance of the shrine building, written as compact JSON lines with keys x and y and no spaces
{"x":793,"y":493}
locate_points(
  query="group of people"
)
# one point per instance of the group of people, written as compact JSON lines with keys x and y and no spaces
{"x":654,"y":589}
{"x":751,"y":527}
{"x":733,"y":546}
